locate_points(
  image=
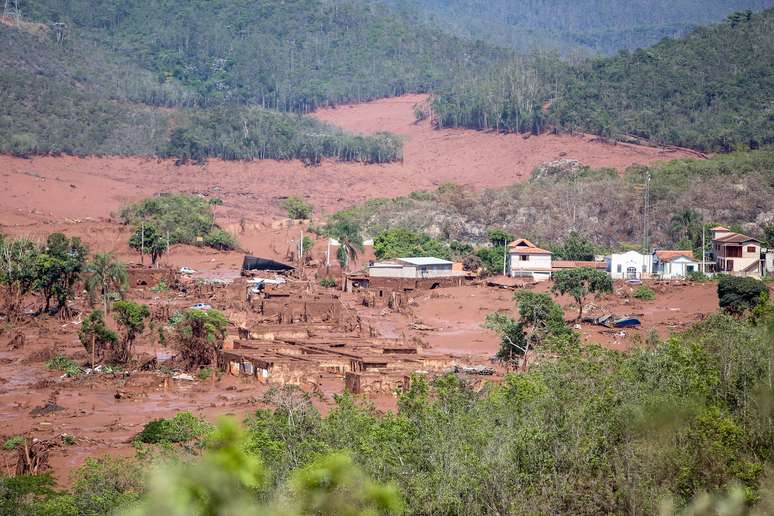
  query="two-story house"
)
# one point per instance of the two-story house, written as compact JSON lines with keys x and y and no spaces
{"x":735,"y":253}
{"x":526,"y":260}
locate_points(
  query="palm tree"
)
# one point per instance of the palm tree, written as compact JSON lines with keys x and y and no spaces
{"x":350,"y":241}
{"x":107,"y":275}
{"x":685,"y":223}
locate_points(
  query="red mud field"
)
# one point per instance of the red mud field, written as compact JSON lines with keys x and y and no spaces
{"x":78,"y":195}
{"x":57,"y":188}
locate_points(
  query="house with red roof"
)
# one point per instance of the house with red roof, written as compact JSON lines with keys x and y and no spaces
{"x":735,"y":253}
{"x":674,"y":264}
{"x":526,"y":260}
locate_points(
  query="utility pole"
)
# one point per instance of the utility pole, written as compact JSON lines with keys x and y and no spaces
{"x":703,"y":248}
{"x":505,"y":257}
{"x":646,"y":216}
{"x":142,"y":243}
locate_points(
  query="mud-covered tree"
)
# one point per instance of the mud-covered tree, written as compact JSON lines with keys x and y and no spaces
{"x":581,"y":282}
{"x":17,"y":273}
{"x":58,"y":267}
{"x":107,"y":277}
{"x":95,"y":336}
{"x":131,"y":317}
{"x":148,"y":239}
{"x":199,"y":336}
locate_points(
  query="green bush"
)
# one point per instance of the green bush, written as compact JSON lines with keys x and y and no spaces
{"x":204,"y":373}
{"x":644,"y":293}
{"x":182,"y":428}
{"x":737,"y":295}
{"x":328,"y":282}
{"x":297,"y":208}
{"x":697,"y":277}
{"x":13,"y":442}
{"x":220,"y":239}
{"x":60,"y":363}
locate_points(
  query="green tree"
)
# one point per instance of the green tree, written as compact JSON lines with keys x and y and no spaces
{"x":686,"y":225}
{"x":499,"y":237}
{"x":541,"y":314}
{"x":220,"y":239}
{"x":513,"y":340}
{"x":199,"y":336}
{"x":130,"y":316}
{"x":107,"y":276}
{"x":737,"y":295}
{"x":148,"y":239}
{"x":404,"y":243}
{"x":95,"y":336}
{"x":576,"y":247}
{"x":580,"y":282}
{"x":58,"y":267}
{"x":297,"y":208}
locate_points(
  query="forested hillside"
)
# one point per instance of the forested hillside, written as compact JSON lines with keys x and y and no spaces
{"x":594,"y":25}
{"x":76,"y":96}
{"x":291,"y":55}
{"x":711,"y":90}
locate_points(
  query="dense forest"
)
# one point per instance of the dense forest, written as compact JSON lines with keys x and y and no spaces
{"x":604,"y":26}
{"x":711,"y":90}
{"x":561,"y":197}
{"x":292,"y":55}
{"x":584,"y":431}
{"x":76,"y":97}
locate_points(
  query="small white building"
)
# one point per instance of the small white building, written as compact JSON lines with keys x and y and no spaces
{"x":674,"y":264}
{"x":414,"y":268}
{"x":526,"y":260}
{"x":629,"y":265}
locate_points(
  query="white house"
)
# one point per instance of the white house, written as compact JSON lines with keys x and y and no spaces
{"x":629,"y":265}
{"x":526,"y":260}
{"x":674,"y":264}
{"x":414,"y":268}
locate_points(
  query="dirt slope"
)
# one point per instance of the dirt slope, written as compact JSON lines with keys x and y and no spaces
{"x":56,"y":188}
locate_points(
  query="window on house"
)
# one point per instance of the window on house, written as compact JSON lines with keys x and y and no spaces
{"x":690,"y":268}
{"x":618,"y":269}
{"x":750,"y":248}
{"x":644,"y":268}
{"x":729,"y":265}
{"x":523,"y":257}
{"x":734,"y":252}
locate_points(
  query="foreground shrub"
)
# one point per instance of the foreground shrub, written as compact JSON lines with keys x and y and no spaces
{"x":184,"y":427}
{"x":644,"y":293}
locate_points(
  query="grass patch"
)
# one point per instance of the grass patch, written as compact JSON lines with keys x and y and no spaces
{"x":13,"y":442}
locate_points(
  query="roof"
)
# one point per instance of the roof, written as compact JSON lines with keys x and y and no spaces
{"x":719,"y":228}
{"x":668,"y":256}
{"x":573,"y":264}
{"x":736,"y":238}
{"x":524,"y":246}
{"x":429,"y":260}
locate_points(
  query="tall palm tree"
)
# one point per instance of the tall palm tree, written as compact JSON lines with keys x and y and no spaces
{"x":685,"y":224}
{"x":350,"y":241}
{"x":107,"y":276}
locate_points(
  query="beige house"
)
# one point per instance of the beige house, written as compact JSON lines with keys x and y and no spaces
{"x":414,"y":267}
{"x":526,"y":260}
{"x":735,"y":253}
